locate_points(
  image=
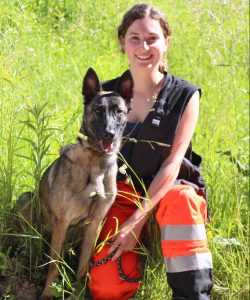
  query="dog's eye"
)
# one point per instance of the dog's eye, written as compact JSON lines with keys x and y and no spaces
{"x":98,"y":110}
{"x":119,"y":111}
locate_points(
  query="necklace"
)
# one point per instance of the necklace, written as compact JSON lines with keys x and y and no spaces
{"x":154,"y":91}
{"x":152,"y":98}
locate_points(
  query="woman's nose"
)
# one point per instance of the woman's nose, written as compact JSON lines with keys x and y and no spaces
{"x":145,"y":45}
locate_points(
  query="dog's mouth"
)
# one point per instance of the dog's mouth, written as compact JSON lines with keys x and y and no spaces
{"x":107,"y":145}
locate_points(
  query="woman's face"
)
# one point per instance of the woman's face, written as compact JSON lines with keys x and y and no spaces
{"x":144,"y":43}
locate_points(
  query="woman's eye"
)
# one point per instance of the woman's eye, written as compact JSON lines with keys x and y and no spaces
{"x":134,"y":38}
{"x":152,"y":39}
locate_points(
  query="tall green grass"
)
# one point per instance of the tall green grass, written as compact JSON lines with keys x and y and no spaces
{"x":45,"y":49}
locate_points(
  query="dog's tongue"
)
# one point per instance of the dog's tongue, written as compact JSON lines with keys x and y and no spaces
{"x":107,"y":145}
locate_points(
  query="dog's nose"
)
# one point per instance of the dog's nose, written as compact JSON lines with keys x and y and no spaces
{"x":108,"y":134}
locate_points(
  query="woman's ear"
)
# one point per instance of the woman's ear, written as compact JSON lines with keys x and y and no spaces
{"x":167,"y":41}
{"x":122,"y":43}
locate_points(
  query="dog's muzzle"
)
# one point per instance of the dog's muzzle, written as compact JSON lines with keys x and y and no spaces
{"x":107,"y":145}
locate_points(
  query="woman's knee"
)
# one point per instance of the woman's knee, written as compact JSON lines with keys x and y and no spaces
{"x":182,"y":205}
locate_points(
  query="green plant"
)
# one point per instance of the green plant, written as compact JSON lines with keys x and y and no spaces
{"x":38,"y":134}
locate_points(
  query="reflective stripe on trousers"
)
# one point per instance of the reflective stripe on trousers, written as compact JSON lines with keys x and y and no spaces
{"x":188,"y":262}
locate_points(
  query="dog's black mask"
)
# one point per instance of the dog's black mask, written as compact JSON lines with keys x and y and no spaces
{"x":105,"y":113}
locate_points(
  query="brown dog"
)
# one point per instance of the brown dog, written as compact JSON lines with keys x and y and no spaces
{"x":80,"y":186}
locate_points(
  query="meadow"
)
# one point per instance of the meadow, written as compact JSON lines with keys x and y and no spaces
{"x":46,"y":48}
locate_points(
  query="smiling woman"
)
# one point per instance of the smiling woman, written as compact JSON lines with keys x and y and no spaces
{"x":165,"y":110}
{"x":144,"y":43}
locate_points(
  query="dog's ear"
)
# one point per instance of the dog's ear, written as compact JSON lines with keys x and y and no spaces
{"x":125,"y":87}
{"x":90,"y":85}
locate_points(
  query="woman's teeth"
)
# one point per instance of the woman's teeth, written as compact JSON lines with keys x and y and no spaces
{"x":144,"y":57}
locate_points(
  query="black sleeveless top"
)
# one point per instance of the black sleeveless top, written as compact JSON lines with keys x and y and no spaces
{"x":155,"y":135}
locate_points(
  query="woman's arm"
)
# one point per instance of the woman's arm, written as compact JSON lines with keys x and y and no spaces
{"x":130,"y":231}
{"x":169,"y":170}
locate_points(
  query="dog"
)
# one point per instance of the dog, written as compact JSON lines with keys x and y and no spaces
{"x":80,"y":186}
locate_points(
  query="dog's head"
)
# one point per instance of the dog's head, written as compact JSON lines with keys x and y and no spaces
{"x":105,"y":112}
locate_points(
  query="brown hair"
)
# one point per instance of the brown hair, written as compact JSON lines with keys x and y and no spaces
{"x":140,"y":11}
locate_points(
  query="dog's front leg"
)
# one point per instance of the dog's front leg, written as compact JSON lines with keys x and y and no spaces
{"x":57,"y":240}
{"x":110,"y":185}
{"x":90,"y":235}
{"x":97,"y":212}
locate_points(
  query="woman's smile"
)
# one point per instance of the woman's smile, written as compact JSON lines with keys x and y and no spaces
{"x":144,"y":57}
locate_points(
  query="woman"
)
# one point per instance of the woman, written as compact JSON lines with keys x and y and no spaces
{"x":165,"y":110}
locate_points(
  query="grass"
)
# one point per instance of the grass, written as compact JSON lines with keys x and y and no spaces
{"x":46,"y":48}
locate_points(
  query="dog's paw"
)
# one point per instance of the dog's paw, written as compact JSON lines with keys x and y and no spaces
{"x":80,"y":275}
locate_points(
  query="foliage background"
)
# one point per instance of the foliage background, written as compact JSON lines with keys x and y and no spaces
{"x":46,"y":48}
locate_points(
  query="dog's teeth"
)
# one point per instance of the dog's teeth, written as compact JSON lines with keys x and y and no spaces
{"x":107,"y":145}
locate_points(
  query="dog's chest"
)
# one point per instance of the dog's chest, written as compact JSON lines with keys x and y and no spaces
{"x":102,"y":163}
{"x":84,"y":188}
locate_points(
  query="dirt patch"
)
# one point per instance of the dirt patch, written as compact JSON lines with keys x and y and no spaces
{"x":18,"y":288}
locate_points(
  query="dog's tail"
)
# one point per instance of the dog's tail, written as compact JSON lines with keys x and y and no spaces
{"x":24,"y":200}
{"x":24,"y":211}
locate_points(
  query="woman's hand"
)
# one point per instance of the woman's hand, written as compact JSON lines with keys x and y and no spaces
{"x":127,"y":237}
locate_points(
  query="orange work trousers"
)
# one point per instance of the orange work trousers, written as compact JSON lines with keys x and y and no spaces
{"x":180,"y":205}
